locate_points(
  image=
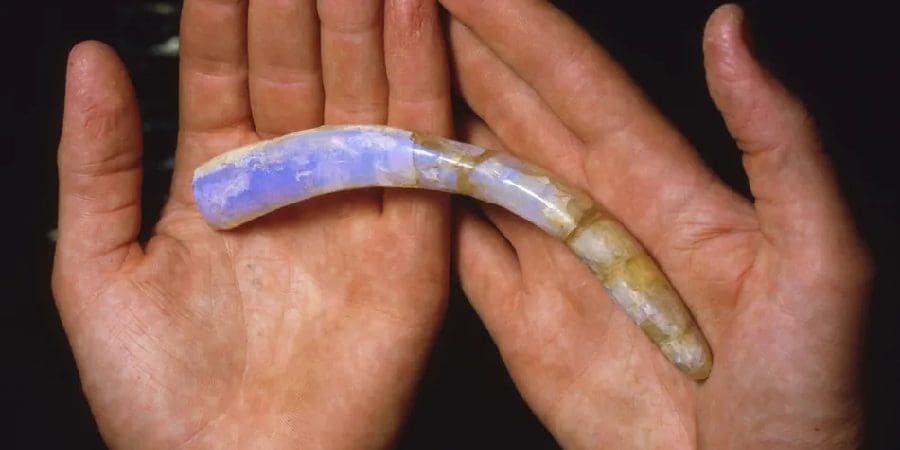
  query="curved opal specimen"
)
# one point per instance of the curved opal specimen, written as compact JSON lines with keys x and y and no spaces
{"x":246,"y":183}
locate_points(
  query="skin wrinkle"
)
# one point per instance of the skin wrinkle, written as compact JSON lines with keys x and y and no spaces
{"x":141,"y":339}
{"x":215,"y":69}
{"x":351,"y":17}
{"x":240,"y":130}
{"x":288,"y":77}
{"x":112,"y":249}
{"x":107,"y":165}
{"x":160,"y":300}
{"x":230,"y":404}
{"x":125,"y":204}
{"x":781,"y":154}
{"x":75,"y":316}
{"x":556,"y":408}
{"x":241,"y":122}
{"x":230,"y":252}
{"x":351,"y":107}
{"x":690,"y":435}
{"x":412,"y":100}
{"x":135,"y":361}
{"x":704,"y":237}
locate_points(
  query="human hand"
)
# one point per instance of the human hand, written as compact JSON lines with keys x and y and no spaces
{"x":306,"y":328}
{"x":778,"y":286}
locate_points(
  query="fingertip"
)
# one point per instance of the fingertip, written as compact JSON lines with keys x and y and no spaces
{"x":90,"y":63}
{"x":98,"y":91}
{"x":89,"y":51}
{"x":751,"y":101}
{"x":726,"y":53}
{"x":724,"y":23}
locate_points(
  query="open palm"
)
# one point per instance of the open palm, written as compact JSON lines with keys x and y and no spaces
{"x":307,"y":327}
{"x":778,"y":286}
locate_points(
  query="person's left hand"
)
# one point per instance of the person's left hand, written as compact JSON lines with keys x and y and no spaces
{"x":778,"y":285}
{"x":306,"y":328}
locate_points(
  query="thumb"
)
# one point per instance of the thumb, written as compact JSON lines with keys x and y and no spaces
{"x":794,"y":188}
{"x":99,"y":163}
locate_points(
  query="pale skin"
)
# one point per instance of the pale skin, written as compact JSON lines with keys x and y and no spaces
{"x":288,"y":332}
{"x":778,"y":284}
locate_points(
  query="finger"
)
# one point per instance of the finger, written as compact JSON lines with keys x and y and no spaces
{"x":574,"y":75}
{"x":550,"y":329}
{"x":214,"y":101}
{"x":488,"y":270}
{"x":356,"y":89}
{"x":213,"y":73}
{"x":419,"y":99}
{"x":793,"y":185}
{"x":99,"y":172}
{"x":286,"y":90}
{"x":416,"y":66}
{"x":512,"y":107}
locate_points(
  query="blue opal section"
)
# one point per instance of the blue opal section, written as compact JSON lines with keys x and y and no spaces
{"x":246,"y":183}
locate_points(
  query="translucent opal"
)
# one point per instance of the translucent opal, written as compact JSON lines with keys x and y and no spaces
{"x":246,"y":183}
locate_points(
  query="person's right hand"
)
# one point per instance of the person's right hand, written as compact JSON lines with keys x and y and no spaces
{"x":778,"y":286}
{"x":307,"y":328}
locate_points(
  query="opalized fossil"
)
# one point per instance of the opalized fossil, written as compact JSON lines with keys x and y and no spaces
{"x":246,"y":183}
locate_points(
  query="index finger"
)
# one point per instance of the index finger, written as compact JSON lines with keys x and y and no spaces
{"x":573,"y":74}
{"x":213,"y":69}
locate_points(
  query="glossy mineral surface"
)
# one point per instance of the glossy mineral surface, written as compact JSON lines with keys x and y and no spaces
{"x":246,"y":183}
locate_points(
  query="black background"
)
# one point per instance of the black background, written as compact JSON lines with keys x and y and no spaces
{"x":841,"y":58}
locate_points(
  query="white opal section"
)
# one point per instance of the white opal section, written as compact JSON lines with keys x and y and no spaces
{"x":441,"y":163}
{"x":603,"y":242}
{"x":525,"y":190}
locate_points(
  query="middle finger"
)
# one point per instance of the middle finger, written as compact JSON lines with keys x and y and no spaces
{"x":356,"y":87}
{"x":353,"y":73}
{"x":286,"y":91}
